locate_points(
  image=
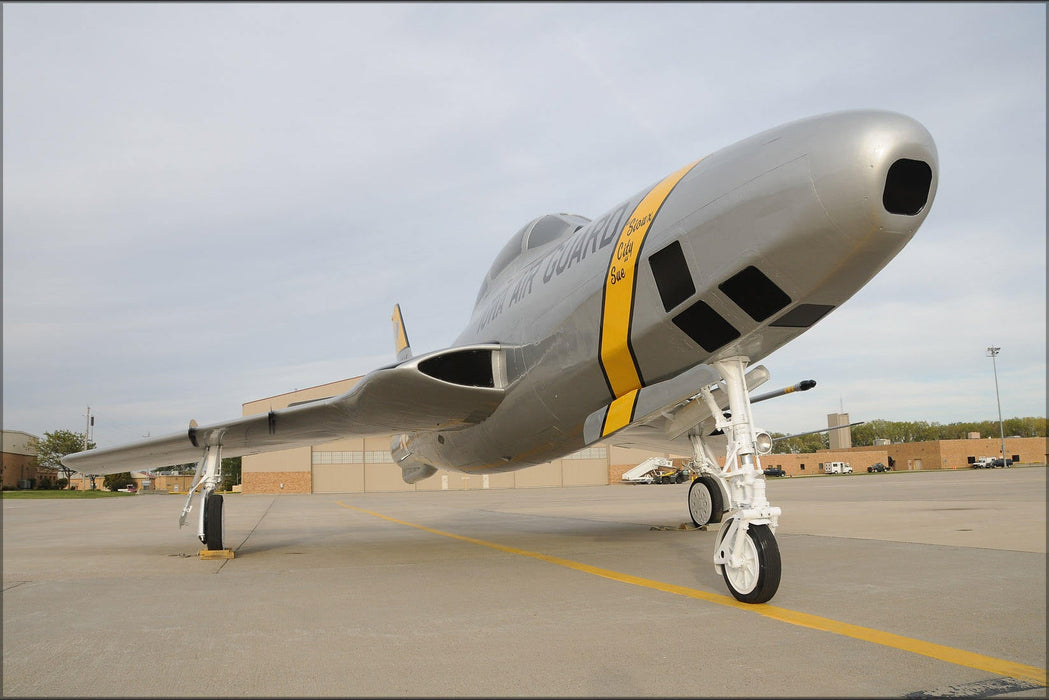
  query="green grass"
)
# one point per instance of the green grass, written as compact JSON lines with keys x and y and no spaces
{"x":99,"y":493}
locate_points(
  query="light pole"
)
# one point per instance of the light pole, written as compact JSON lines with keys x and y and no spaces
{"x":992,"y":352}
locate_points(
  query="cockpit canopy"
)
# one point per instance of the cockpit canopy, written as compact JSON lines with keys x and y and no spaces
{"x":535,"y":234}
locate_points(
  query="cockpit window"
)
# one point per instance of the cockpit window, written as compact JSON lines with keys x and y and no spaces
{"x":507,"y":255}
{"x":482,"y":292}
{"x":539,"y":232}
{"x":551,"y":227}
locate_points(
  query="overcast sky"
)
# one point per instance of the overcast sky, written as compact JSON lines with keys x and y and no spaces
{"x":209,"y":204}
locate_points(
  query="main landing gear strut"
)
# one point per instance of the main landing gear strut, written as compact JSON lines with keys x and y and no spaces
{"x":208,"y":476}
{"x":745,"y":551}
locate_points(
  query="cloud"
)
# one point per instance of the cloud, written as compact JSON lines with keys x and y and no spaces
{"x":204,"y":204}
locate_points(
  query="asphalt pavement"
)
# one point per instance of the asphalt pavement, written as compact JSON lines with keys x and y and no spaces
{"x":900,"y":584}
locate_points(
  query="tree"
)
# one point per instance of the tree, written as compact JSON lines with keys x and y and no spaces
{"x":54,"y":446}
{"x":230,"y":473}
{"x":802,"y":443}
{"x":115,"y":482}
{"x":915,"y":431}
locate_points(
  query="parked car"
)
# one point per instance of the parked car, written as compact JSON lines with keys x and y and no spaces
{"x":983,"y":463}
{"x":877,"y":467}
{"x":997,"y":462}
{"x":775,"y":471}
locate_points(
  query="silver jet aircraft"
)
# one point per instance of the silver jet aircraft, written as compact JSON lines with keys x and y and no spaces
{"x":633,"y":329}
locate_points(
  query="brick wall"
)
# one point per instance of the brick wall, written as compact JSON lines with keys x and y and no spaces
{"x":616,"y":472}
{"x":14,"y":467}
{"x":270,"y":482}
{"x":955,"y":453}
{"x":792,"y":464}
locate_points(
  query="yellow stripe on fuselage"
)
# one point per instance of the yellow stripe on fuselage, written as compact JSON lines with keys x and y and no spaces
{"x":617,"y":359}
{"x":620,"y":411}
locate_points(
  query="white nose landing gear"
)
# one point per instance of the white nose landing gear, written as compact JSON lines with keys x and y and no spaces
{"x":745,"y":553}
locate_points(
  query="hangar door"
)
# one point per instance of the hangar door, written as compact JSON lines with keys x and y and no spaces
{"x":338,"y":478}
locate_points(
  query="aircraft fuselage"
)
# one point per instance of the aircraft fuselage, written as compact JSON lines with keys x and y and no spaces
{"x":736,"y":254}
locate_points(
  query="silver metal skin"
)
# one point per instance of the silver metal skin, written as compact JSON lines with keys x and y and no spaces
{"x":803,"y":202}
{"x":571,"y":341}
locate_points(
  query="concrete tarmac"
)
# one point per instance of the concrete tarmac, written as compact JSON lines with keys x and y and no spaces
{"x":900,"y":585}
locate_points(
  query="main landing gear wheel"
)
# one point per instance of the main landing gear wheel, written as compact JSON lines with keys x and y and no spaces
{"x":756,"y":580}
{"x":213,"y":522}
{"x":705,"y":502}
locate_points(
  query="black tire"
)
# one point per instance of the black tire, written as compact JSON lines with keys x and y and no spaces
{"x":765,"y":555}
{"x":705,"y":502}
{"x":664,"y":479}
{"x":213,"y":522}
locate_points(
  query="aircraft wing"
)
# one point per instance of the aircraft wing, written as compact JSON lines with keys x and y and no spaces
{"x":665,"y":412}
{"x":437,"y":391}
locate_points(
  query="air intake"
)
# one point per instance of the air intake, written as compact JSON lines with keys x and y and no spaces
{"x":907,"y":187}
{"x":464,"y":367}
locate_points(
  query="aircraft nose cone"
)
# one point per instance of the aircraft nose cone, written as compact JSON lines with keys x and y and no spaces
{"x":875,"y":171}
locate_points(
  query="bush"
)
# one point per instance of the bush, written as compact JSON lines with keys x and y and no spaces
{"x":44,"y":483}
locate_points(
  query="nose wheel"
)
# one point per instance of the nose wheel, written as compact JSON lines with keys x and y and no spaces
{"x":752,"y":574}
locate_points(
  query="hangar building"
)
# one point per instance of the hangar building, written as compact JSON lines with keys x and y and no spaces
{"x":364,"y":464}
{"x":17,"y":460}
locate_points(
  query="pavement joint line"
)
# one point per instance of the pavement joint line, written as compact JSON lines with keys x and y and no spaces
{"x":960,"y":657}
{"x":256,"y":525}
{"x":14,"y":584}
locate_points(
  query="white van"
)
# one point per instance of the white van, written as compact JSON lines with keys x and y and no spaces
{"x":836,"y":468}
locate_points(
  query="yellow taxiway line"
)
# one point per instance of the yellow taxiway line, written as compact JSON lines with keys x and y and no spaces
{"x":960,"y":657}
